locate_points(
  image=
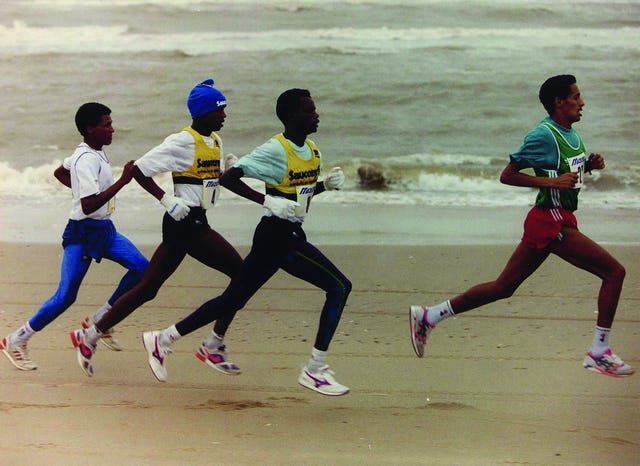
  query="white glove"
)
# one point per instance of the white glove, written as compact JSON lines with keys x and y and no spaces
{"x":335,"y":179}
{"x":280,"y":207}
{"x":229,"y":161}
{"x":176,"y":207}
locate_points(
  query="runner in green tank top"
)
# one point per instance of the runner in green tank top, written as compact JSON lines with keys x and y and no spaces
{"x":556,"y":154}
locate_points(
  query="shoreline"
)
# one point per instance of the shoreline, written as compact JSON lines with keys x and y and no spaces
{"x":333,"y":224}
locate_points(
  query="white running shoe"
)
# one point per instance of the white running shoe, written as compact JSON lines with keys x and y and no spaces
{"x":157,"y":354}
{"x":322,"y":381}
{"x":84,"y":350}
{"x":17,"y":354}
{"x":419,"y":328}
{"x":107,"y":338}
{"x":217,"y":359}
{"x":608,"y":364}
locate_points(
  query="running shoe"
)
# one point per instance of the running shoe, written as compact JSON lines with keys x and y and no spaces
{"x":419,"y":328}
{"x":84,"y":350}
{"x":106,"y":338}
{"x":608,"y":364}
{"x":17,"y":354}
{"x":322,"y":381}
{"x":157,"y":354}
{"x":217,"y":359}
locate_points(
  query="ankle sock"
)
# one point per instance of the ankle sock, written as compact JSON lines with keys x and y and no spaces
{"x":317,"y":360}
{"x":214,"y":341}
{"x":600,"y":341}
{"x":22,"y":335}
{"x":169,"y":335}
{"x":92,"y":335}
{"x":439,"y":312}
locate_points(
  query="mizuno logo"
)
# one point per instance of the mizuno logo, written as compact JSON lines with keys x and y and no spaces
{"x":318,"y":382}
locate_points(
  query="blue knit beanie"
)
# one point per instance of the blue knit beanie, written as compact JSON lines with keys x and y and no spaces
{"x":205,"y":98}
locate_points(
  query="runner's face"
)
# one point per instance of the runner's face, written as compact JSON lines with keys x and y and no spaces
{"x":215,"y":119}
{"x":307,"y":117}
{"x":102,"y":133}
{"x":571,"y":107}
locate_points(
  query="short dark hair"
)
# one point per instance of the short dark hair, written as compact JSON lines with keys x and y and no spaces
{"x":555,"y":86}
{"x":89,"y":115}
{"x":289,"y":102}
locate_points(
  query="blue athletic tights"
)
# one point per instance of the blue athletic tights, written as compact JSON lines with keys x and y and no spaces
{"x":73,"y":270}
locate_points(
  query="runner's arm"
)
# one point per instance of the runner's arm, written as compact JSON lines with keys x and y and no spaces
{"x":231,"y":179}
{"x":147,"y":183}
{"x":512,"y":176}
{"x":63,"y":176}
{"x":92,"y":203}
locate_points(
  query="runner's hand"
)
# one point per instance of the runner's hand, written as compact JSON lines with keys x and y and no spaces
{"x":127,"y":171}
{"x":176,"y":207}
{"x":565,"y":181}
{"x":280,"y":207}
{"x":229,"y":161}
{"x":335,"y":179}
{"x":596,"y":162}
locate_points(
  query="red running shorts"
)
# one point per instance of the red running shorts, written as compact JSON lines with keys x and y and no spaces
{"x":542,"y":226}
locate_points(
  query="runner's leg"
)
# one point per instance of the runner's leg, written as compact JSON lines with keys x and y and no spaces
{"x":213,"y":250}
{"x":581,"y":251}
{"x":164,"y":262}
{"x":309,"y":264}
{"x":522,"y":263}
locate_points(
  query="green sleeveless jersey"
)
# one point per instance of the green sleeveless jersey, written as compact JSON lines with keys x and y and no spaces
{"x":570,"y":159}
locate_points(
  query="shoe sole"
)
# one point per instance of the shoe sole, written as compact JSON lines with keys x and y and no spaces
{"x":205,"y":360}
{"x":315,"y":389}
{"x":608,"y":374}
{"x":412,"y":328}
{"x":150,"y":344}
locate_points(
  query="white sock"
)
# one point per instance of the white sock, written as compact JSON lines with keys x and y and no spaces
{"x":22,"y":335}
{"x":92,"y":335}
{"x":169,"y":335}
{"x":438,"y":312}
{"x":600,"y":341}
{"x":214,"y":341}
{"x":317,"y":360}
{"x":101,"y":312}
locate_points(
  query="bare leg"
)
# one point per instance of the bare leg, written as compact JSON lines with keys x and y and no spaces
{"x":164,"y":262}
{"x":216,"y":252}
{"x":586,"y":254}
{"x":522,"y":263}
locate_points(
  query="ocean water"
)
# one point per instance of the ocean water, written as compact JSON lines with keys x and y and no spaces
{"x":432,"y":94}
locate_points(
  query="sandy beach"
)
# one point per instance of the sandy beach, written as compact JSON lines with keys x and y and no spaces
{"x":503,"y":385}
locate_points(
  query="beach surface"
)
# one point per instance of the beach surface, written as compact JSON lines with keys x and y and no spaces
{"x":503,"y":385}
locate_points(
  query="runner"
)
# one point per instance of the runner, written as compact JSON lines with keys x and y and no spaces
{"x":289,"y":164}
{"x":89,"y":234}
{"x":556,"y":153}
{"x":193,"y":157}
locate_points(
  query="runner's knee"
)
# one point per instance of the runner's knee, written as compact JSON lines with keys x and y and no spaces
{"x":340,"y":288}
{"x":616,"y":273}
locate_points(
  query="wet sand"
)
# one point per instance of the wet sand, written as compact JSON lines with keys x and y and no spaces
{"x":502,"y":385}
